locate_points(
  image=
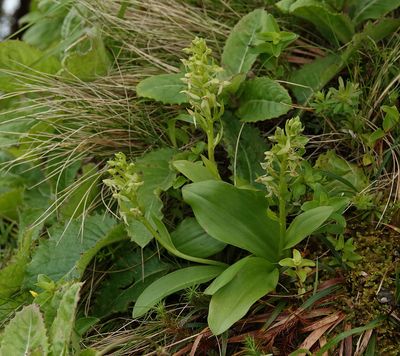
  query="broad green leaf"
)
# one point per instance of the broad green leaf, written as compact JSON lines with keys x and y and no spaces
{"x":392,"y":117}
{"x":314,"y":76}
{"x":237,"y":56}
{"x":63,"y":324}
{"x":226,"y":276}
{"x":166,"y":88}
{"x":19,"y":62}
{"x":90,"y":63}
{"x":195,"y":171}
{"x":25,"y":334}
{"x":164,"y":238}
{"x":171,"y":283}
{"x":335,"y":27}
{"x":70,"y":248}
{"x":372,"y":9}
{"x":158,"y":177}
{"x":305,"y":224}
{"x":245,"y":147}
{"x":132,"y":272}
{"x":256,"y":278}
{"x":263,"y":99}
{"x":284,"y":5}
{"x":339,"y":171}
{"x":10,"y":201}
{"x":235,"y":216}
{"x":190,"y":238}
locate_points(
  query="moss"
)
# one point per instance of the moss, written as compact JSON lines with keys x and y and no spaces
{"x":371,"y":286}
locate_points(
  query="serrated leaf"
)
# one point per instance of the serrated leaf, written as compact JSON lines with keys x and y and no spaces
{"x":263,"y":99}
{"x":373,"y":9}
{"x":171,"y":283}
{"x":166,"y":88}
{"x":19,"y":61}
{"x":335,"y":27}
{"x":235,"y":216}
{"x":256,"y":278}
{"x":191,"y":239}
{"x":25,"y":334}
{"x":245,"y":161}
{"x":305,"y":224}
{"x":237,"y":56}
{"x":61,"y":329}
{"x":67,"y":252}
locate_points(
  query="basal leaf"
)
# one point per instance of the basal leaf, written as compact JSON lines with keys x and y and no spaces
{"x":190,"y":238}
{"x":230,"y":303}
{"x":373,"y":9}
{"x":235,"y":216}
{"x":166,"y":88}
{"x":237,"y":57}
{"x":335,"y":27}
{"x":61,"y":329}
{"x":19,"y":61}
{"x":263,"y":99}
{"x":306,"y":223}
{"x":172,"y":283}
{"x":25,"y":334}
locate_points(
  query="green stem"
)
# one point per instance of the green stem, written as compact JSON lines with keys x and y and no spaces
{"x":282,"y":203}
{"x":210,"y":143}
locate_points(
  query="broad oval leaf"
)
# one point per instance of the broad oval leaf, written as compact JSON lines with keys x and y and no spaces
{"x":230,"y":303}
{"x":237,"y":57}
{"x":166,"y":88}
{"x":190,"y":238}
{"x":172,"y":283}
{"x":25,"y":334}
{"x":263,"y":99}
{"x":235,"y":216}
{"x":195,"y":171}
{"x":226,"y":276}
{"x":373,"y":9}
{"x":335,"y":27}
{"x":306,"y":223}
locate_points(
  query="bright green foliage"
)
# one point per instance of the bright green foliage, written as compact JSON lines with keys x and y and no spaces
{"x":171,"y":283}
{"x":217,"y":204}
{"x":191,"y":239}
{"x":263,"y":99}
{"x":299,"y":268}
{"x":167,"y":88}
{"x":20,"y":62}
{"x":347,"y":250}
{"x":25,"y":334}
{"x":194,"y":171}
{"x":338,"y":102}
{"x":256,"y":278}
{"x":204,"y":88}
{"x":391,"y":119}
